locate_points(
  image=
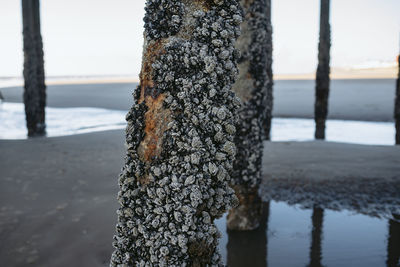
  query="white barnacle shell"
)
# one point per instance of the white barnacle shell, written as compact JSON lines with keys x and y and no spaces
{"x":195,"y":196}
{"x":182,"y":241}
{"x":220,"y":156}
{"x":164,"y":251}
{"x":198,"y":14}
{"x":160,"y":193}
{"x":230,"y":129}
{"x":195,"y":158}
{"x":224,"y":54}
{"x":221,"y":113}
{"x":159,"y":210}
{"x":196,"y":142}
{"x":237,"y":19}
{"x":190,"y":180}
{"x":218,"y":137}
{"x":229,"y":148}
{"x":178,"y":216}
{"x":212,"y":168}
{"x":206,"y":217}
{"x":212,"y":92}
{"x":157,"y":171}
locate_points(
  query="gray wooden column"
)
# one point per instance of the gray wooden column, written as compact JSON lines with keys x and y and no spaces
{"x":251,"y":88}
{"x":397,"y":105}
{"x":270,"y":86}
{"x":323,"y":71}
{"x":35,"y":88}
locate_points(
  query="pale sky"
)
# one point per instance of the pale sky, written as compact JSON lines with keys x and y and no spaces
{"x":105,"y":37}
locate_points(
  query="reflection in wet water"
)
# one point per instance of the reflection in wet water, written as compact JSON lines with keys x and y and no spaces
{"x":393,"y":248}
{"x":291,"y":236}
{"x":249,"y":248}
{"x":316,"y":237}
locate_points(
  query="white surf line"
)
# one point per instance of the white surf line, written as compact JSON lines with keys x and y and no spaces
{"x":60,"y":121}
{"x":71,"y":121}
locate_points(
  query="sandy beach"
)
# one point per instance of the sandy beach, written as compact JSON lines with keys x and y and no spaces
{"x":58,"y":195}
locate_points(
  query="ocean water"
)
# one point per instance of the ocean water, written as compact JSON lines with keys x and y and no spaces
{"x":70,"y":121}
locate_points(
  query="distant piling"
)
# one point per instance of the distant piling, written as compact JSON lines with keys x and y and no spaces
{"x":323,"y":71}
{"x":397,"y":105}
{"x":270,"y":87}
{"x":35,"y":88}
{"x":180,"y":137}
{"x":251,"y":87}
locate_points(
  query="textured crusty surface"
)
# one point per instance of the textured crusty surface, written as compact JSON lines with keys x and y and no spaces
{"x":179,"y":137}
{"x":251,"y":87}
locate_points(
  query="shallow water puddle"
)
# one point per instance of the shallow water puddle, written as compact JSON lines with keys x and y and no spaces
{"x":70,"y":121}
{"x":290,"y":236}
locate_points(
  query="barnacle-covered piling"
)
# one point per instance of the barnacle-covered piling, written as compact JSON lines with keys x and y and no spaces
{"x":323,"y":71}
{"x":251,"y":88}
{"x":180,"y":136}
{"x":35,"y":88}
{"x":270,"y":97}
{"x":397,"y":105}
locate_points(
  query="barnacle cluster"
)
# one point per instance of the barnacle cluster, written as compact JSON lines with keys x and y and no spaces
{"x":251,"y":87}
{"x":180,"y":137}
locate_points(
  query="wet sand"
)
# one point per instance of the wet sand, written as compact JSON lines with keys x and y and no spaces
{"x":360,"y":178}
{"x":58,"y":195}
{"x":358,"y":99}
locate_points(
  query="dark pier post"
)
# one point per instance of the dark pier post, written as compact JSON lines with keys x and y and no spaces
{"x":316,"y":237}
{"x":397,"y":105}
{"x":323,"y":71}
{"x":270,"y":97}
{"x":180,"y":136}
{"x":35,"y":88}
{"x":251,"y":88}
{"x":249,"y":248}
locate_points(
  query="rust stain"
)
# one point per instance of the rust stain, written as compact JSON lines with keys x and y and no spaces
{"x":156,"y":117}
{"x":246,"y":196}
{"x":246,"y":3}
{"x":205,"y":4}
{"x":147,"y":85}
